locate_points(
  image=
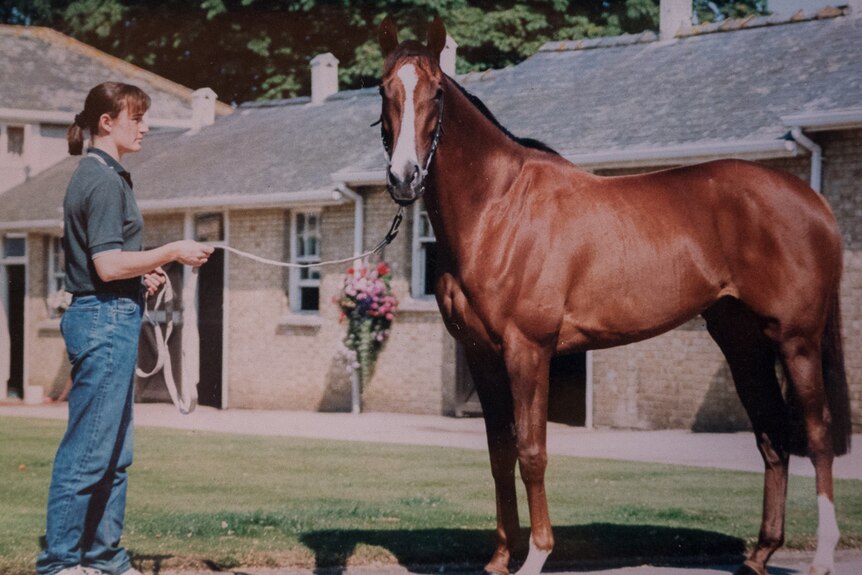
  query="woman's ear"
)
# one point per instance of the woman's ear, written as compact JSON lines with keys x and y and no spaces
{"x":106,"y":123}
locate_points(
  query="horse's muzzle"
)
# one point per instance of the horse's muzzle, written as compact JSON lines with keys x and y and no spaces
{"x":405,"y":191}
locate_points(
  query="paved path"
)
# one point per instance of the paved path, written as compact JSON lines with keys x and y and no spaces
{"x":734,"y":451}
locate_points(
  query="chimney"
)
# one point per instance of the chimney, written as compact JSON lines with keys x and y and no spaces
{"x":674,"y":15}
{"x":324,"y":77}
{"x":203,"y":108}
{"x":447,"y":56}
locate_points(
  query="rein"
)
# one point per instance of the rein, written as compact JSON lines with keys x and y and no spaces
{"x":187,"y":399}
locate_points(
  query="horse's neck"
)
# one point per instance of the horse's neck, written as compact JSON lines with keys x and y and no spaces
{"x":475,"y":165}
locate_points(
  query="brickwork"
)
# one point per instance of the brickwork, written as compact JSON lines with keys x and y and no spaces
{"x":277,"y":359}
{"x":46,"y":361}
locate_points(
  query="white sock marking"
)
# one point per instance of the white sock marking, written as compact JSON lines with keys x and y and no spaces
{"x":535,"y":561}
{"x":827,"y":534}
{"x":404,"y":154}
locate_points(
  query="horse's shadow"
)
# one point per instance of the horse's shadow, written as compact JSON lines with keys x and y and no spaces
{"x":603,"y":544}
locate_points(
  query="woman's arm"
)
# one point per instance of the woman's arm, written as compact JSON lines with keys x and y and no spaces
{"x":119,"y":265}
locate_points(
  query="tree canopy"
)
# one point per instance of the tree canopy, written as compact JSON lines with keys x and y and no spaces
{"x":260,"y":49}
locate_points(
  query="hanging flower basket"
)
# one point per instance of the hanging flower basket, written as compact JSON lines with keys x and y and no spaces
{"x":368,"y":306}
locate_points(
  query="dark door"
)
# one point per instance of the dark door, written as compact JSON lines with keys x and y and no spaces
{"x":211,"y":329}
{"x":567,"y":393}
{"x":16,"y":278}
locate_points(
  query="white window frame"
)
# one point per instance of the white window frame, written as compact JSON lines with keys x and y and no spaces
{"x":312,"y":275}
{"x":419,"y":257}
{"x":56,"y":277}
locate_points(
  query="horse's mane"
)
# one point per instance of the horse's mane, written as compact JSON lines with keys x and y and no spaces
{"x":526,"y":142}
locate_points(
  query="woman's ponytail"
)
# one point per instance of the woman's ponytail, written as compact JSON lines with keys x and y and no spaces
{"x":75,"y":135}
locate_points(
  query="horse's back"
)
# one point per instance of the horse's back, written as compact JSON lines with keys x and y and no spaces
{"x":666,"y":245}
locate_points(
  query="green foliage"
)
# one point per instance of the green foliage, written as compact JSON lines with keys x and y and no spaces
{"x":260,"y":49}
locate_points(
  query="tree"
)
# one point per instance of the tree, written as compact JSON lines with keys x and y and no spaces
{"x":260,"y":49}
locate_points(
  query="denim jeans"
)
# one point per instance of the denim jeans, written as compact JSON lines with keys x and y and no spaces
{"x":87,"y":498}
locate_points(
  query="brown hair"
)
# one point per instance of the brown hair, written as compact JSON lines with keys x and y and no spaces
{"x":107,"y":98}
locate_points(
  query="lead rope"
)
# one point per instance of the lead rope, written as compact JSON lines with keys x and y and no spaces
{"x":187,"y":399}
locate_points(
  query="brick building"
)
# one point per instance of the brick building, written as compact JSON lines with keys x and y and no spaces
{"x":309,"y":172}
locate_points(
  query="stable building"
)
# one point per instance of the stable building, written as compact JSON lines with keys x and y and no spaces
{"x":303,"y":180}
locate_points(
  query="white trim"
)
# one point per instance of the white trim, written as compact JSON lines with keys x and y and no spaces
{"x":684,"y":154}
{"x":588,"y":417}
{"x":190,"y":338}
{"x":647,"y":156}
{"x":418,"y":255}
{"x":32,"y":225}
{"x":326,"y":196}
{"x":844,"y":119}
{"x":294,"y":291}
{"x":225,"y":330}
{"x":5,"y":340}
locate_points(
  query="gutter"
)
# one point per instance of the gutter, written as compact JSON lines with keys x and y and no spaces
{"x":358,"y":215}
{"x":843,"y":119}
{"x":816,"y":157}
{"x":651,"y":156}
{"x":684,"y":154}
{"x":282,"y":199}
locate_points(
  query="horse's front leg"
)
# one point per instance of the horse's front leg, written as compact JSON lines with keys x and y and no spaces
{"x":492,"y":384}
{"x":528,"y":365}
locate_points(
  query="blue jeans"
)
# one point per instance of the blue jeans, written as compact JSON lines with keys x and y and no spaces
{"x":87,"y":498}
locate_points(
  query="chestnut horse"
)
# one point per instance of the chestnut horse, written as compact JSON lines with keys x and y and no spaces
{"x":539,"y":258}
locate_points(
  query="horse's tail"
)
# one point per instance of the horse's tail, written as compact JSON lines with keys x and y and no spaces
{"x":835,"y":378}
{"x":834,"y":388}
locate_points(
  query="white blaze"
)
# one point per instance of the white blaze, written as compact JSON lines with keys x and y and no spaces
{"x":404,"y":154}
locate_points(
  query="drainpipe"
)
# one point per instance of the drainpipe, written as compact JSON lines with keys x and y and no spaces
{"x":358,"y":217}
{"x":816,"y":156}
{"x":358,"y":231}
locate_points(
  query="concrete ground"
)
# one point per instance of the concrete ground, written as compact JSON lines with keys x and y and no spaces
{"x":734,"y":451}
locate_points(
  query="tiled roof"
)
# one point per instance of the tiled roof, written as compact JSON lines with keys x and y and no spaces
{"x":725,"y":90}
{"x":45,"y":70}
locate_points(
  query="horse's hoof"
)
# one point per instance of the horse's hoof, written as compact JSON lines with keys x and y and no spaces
{"x":819,"y":570}
{"x":746,"y":569}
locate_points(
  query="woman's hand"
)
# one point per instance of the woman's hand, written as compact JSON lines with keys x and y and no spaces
{"x":191,"y":253}
{"x":154,"y":281}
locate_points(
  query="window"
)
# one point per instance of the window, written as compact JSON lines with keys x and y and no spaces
{"x":424,"y":254}
{"x":209,"y":227}
{"x":304,"y":291}
{"x":15,"y":140}
{"x":56,"y":266}
{"x":14,"y":246}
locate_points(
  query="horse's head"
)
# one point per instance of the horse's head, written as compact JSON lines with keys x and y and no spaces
{"x":412,"y":113}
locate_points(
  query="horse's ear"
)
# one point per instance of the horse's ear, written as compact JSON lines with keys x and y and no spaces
{"x":387,"y":35}
{"x":437,"y":36}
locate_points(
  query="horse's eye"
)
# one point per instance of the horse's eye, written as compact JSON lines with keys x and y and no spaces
{"x":381,"y":90}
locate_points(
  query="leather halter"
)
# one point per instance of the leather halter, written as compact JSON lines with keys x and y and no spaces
{"x":435,"y":142}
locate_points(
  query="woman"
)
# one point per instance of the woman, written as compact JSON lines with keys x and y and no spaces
{"x":107,"y":272}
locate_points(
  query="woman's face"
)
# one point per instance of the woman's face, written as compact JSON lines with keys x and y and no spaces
{"x":128,"y":131}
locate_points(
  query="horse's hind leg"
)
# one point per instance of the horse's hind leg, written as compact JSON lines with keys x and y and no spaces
{"x":492,"y":384}
{"x":802,"y":361}
{"x":751,"y":358}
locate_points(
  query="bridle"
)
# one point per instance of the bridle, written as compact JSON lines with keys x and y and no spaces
{"x":435,"y":142}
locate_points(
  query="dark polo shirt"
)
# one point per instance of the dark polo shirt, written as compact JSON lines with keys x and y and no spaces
{"x":100,"y":214}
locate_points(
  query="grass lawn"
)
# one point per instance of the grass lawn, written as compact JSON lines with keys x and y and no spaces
{"x":230,"y":500}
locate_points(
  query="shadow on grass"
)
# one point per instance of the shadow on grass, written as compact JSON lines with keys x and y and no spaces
{"x":597,"y":543}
